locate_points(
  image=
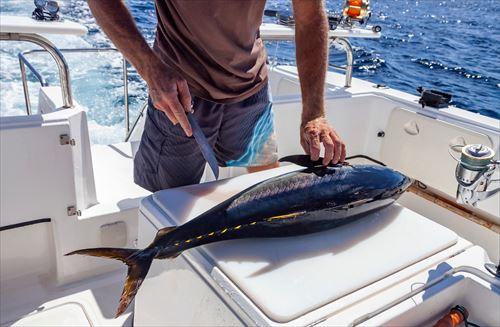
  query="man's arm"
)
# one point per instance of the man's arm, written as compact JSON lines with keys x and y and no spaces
{"x":169,"y":91}
{"x":311,"y":38}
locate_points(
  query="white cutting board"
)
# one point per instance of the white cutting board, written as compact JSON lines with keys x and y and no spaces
{"x":288,"y":277}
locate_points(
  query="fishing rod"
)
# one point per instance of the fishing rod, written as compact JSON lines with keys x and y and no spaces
{"x":354,"y":12}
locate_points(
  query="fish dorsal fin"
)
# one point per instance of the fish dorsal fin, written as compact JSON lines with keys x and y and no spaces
{"x":286,"y":216}
{"x":302,"y":160}
{"x":164,"y":231}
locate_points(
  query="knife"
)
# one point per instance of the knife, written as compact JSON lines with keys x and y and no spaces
{"x":206,"y":149}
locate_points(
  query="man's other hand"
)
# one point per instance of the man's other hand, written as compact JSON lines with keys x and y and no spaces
{"x":170,"y":93}
{"x":317,"y":131}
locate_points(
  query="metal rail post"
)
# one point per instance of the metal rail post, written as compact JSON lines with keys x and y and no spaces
{"x":25,"y":87}
{"x":349,"y":58}
{"x":125,"y":98}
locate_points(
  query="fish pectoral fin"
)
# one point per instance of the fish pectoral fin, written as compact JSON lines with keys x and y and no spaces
{"x":302,"y":160}
{"x":305,"y":161}
{"x":286,"y":216}
{"x":164,"y":231}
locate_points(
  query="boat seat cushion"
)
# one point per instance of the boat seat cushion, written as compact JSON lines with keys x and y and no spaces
{"x":290,"y":277}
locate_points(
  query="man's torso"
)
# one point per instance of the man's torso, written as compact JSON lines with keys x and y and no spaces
{"x":214,"y":45}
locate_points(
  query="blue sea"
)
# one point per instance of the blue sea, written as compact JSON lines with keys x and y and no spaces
{"x":450,"y":45}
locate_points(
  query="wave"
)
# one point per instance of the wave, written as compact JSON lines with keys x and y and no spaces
{"x":457,"y":70}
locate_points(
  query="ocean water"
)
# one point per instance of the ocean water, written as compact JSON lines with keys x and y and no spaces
{"x":448,"y":45}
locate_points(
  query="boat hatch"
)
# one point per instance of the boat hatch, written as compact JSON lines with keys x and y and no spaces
{"x":291,"y":277}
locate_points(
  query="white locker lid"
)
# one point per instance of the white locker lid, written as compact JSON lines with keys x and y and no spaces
{"x":290,"y":277}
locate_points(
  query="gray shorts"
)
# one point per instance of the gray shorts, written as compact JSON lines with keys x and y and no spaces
{"x":241,"y":134}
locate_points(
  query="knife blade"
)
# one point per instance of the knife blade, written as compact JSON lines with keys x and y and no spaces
{"x":205,"y":148}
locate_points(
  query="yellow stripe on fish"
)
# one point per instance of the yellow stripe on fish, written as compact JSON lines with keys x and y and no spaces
{"x":222,"y":231}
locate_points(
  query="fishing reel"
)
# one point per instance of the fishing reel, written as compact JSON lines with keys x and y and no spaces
{"x":356,"y":11}
{"x":474,"y":170}
{"x":283,"y":17}
{"x":353,"y":12}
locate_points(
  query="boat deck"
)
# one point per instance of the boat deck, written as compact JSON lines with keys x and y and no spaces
{"x":90,"y":302}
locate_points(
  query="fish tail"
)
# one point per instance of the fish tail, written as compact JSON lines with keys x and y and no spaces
{"x":138,"y":262}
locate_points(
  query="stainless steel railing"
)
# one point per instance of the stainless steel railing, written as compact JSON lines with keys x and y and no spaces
{"x":24,"y":62}
{"x":58,"y":57}
{"x":343,"y":42}
{"x":136,"y":121}
{"x":64,"y":71}
{"x":346,"y":45}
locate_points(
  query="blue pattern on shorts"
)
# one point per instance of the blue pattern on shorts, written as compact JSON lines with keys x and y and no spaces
{"x":262,"y":132}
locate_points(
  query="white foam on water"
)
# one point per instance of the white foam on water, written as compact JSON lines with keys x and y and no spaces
{"x":12,"y":100}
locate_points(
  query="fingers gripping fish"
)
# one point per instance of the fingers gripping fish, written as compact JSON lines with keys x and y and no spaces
{"x":302,"y":202}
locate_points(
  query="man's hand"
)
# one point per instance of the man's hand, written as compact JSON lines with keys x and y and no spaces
{"x":170,"y":94}
{"x":317,"y":131}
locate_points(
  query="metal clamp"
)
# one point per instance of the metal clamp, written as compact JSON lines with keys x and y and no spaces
{"x":65,"y":139}
{"x":73,"y":211}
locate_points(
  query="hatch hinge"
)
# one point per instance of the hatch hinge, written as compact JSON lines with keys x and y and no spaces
{"x":72,"y":211}
{"x":64,"y":139}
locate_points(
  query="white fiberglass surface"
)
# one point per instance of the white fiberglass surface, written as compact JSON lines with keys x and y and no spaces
{"x":91,"y":302}
{"x":69,"y":314}
{"x":481,"y":302}
{"x":304,"y":272}
{"x":19,"y":24}
{"x":310,"y":271}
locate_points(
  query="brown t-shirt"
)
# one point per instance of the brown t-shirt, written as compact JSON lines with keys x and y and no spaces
{"x":214,"y":45}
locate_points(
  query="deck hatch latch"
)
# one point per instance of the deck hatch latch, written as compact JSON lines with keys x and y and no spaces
{"x":64,"y":139}
{"x":72,"y":211}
